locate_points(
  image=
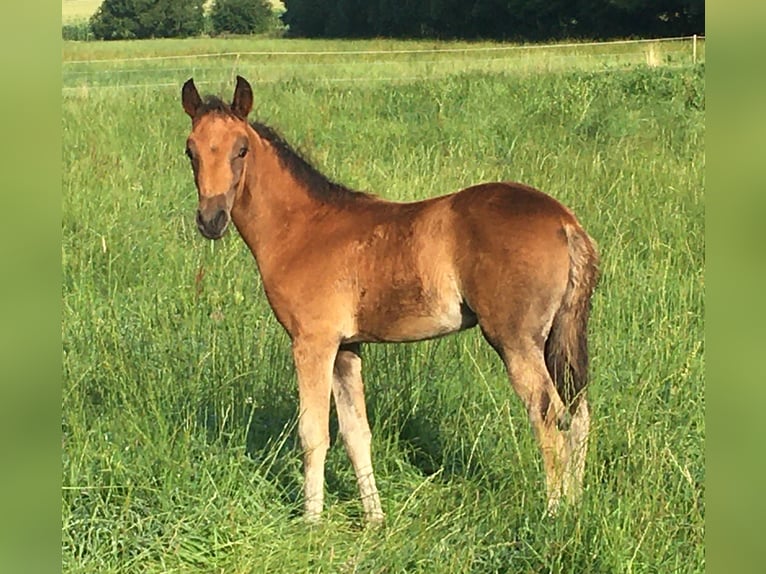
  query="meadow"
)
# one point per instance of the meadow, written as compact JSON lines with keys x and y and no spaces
{"x":179,"y":443}
{"x":78,"y":10}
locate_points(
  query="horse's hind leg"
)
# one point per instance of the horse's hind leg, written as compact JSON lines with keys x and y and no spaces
{"x":578,"y":448}
{"x":348,"y":390}
{"x":547,"y":413}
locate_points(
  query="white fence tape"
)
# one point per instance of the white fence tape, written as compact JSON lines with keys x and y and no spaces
{"x":78,"y":71}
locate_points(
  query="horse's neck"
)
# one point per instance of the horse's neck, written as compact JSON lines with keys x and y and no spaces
{"x":273,"y":208}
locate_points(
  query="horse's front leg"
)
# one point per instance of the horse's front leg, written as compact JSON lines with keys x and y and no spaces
{"x":314,"y":365}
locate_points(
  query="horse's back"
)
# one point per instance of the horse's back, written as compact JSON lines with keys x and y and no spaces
{"x":503,"y":204}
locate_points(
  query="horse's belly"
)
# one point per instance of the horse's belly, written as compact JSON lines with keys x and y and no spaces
{"x":394,"y":324}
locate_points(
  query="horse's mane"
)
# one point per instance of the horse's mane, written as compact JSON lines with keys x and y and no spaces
{"x":318,"y":184}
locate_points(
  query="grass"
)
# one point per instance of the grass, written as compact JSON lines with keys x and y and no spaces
{"x":158,"y":63}
{"x":179,"y":450}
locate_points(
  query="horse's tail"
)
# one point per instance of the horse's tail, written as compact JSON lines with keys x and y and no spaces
{"x":566,"y":349}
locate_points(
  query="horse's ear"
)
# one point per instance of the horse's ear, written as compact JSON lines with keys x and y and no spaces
{"x":242,"y":102}
{"x":190,"y":98}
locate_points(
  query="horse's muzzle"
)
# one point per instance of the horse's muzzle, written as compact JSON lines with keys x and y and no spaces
{"x":213,"y":227}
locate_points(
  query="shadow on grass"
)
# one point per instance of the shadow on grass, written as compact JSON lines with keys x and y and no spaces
{"x":267,"y":430}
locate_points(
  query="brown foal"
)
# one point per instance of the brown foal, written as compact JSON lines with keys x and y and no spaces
{"x":341,"y":268}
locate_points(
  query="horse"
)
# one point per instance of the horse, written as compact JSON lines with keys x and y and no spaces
{"x":341,"y":268}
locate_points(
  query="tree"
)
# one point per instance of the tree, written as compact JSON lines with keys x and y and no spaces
{"x":242,"y":16}
{"x":129,"y":19}
{"x":306,"y":18}
{"x":499,"y":19}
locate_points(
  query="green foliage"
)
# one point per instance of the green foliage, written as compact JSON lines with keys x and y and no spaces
{"x":242,"y":17}
{"x":306,"y":18}
{"x":179,"y":449}
{"x":508,"y":19}
{"x":77,"y":31}
{"x":132,"y":19}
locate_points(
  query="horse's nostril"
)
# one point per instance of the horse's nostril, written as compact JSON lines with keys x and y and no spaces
{"x":212,"y":228}
{"x":219,"y":221}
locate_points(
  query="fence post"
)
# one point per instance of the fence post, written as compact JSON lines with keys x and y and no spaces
{"x":694,"y":49}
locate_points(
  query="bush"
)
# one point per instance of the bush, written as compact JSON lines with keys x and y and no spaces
{"x":128,"y":19}
{"x":79,"y":31}
{"x":242,"y":17}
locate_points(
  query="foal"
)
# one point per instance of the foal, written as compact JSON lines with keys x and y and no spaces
{"x":341,"y":268}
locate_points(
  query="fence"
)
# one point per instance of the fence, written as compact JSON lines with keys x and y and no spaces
{"x":374,"y":65}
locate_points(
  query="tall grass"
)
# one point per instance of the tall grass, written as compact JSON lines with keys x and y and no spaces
{"x":178,"y":421}
{"x":155,"y":63}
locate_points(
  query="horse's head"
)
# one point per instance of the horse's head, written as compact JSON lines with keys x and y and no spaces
{"x":217,"y":147}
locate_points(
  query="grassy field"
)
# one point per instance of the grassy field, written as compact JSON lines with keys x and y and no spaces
{"x":78,"y":10}
{"x":179,"y":449}
{"x":163,"y":63}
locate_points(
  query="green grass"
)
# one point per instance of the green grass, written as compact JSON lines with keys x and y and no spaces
{"x":179,"y":450}
{"x":162,"y":63}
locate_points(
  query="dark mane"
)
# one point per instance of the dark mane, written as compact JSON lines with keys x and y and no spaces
{"x":317,"y":183}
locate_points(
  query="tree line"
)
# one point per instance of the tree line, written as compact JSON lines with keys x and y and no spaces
{"x":136,"y":19}
{"x":516,"y":20}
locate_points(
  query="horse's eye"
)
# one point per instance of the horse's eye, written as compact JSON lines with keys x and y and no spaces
{"x":189,"y":153}
{"x":242,"y":152}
